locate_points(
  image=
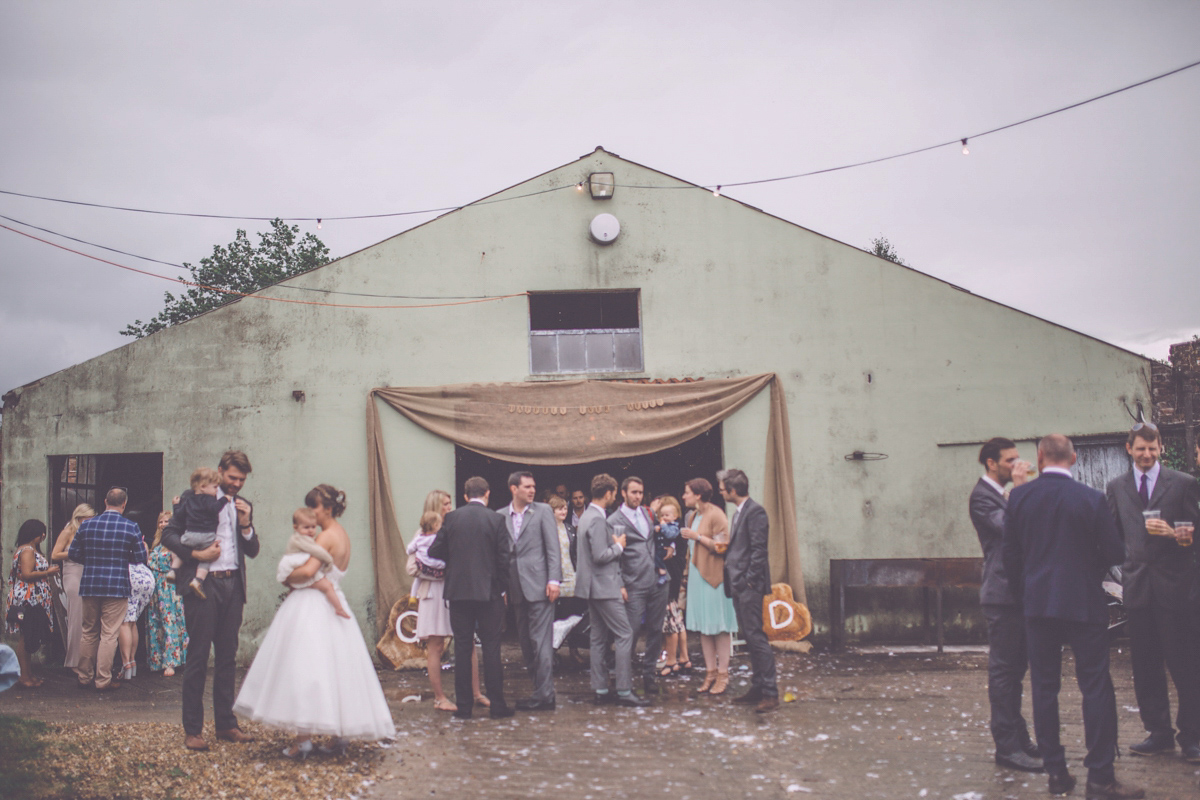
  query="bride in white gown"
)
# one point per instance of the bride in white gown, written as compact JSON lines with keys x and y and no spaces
{"x":313,"y":673}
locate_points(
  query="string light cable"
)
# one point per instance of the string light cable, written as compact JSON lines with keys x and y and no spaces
{"x":714,"y":188}
{"x":274,"y":285}
{"x":256,"y":296}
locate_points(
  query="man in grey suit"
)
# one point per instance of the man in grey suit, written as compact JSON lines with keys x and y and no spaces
{"x":645,"y":597}
{"x":598,"y":580}
{"x":535,"y":574}
{"x":1159,"y":579}
{"x":1007,"y":655}
{"x":747,"y":580}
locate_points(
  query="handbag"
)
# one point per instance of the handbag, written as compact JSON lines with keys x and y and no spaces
{"x":411,"y":567}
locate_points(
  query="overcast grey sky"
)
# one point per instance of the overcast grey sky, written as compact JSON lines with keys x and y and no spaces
{"x":1087,"y":218}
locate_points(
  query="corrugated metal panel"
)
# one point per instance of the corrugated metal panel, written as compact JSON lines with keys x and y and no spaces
{"x":1100,"y":462}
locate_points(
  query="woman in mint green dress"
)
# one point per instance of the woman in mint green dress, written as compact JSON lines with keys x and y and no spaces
{"x":709,"y":611}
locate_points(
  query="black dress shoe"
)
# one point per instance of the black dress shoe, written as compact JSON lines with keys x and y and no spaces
{"x":630,"y":700}
{"x":1061,"y":782}
{"x":1020,"y":761}
{"x":1032,"y":750}
{"x":1153,"y":745}
{"x":501,"y":712}
{"x":750,"y":698}
{"x":461,"y":714}
{"x":1113,"y":791}
{"x":1190,"y":753}
{"x":530,"y":704}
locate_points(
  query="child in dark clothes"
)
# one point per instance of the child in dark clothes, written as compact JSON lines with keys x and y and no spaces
{"x":201,"y":511}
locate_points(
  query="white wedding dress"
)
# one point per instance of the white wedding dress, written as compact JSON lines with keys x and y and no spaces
{"x":313,"y":673}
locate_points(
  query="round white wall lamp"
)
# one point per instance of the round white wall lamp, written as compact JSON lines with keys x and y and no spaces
{"x":605,"y":228}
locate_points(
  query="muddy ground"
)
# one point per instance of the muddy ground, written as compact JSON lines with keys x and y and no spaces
{"x":861,"y":725}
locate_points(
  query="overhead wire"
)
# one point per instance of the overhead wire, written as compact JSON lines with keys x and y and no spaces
{"x":253,"y":295}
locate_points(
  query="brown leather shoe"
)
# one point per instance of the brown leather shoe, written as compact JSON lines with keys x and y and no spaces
{"x":194,"y":742}
{"x":767,"y":704}
{"x":235,"y":735}
{"x":111,"y":686}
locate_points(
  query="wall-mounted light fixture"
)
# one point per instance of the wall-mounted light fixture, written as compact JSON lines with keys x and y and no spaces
{"x":298,"y":395}
{"x":601,"y":185}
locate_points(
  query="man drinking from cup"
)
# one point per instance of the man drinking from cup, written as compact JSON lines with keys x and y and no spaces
{"x":1158,"y":581}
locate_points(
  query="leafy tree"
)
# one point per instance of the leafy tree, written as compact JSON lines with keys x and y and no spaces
{"x":240,"y":267}
{"x":881,"y":247}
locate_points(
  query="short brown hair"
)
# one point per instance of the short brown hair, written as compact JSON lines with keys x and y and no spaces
{"x":431,"y":521}
{"x":701,"y":488}
{"x":116,"y":497}
{"x":1146,"y":431}
{"x":475,"y":487}
{"x":303,"y":513}
{"x":204,"y":476}
{"x":992,"y":447}
{"x":602,"y":484}
{"x":234,"y":458}
{"x":327,"y":496}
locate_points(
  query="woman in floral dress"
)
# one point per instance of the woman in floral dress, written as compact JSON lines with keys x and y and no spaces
{"x":166,"y":636}
{"x":30,"y":613}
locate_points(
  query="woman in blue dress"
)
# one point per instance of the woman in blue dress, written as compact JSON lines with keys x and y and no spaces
{"x":709,"y":612}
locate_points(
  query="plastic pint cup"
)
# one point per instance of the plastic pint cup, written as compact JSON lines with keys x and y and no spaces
{"x":1149,"y":514}
{"x":1183,"y":532}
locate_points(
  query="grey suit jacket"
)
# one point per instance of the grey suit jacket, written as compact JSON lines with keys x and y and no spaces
{"x":746,"y":566}
{"x":988,"y":511}
{"x":637,"y":561}
{"x":536,"y":557}
{"x":1157,"y":571}
{"x":598,"y":576}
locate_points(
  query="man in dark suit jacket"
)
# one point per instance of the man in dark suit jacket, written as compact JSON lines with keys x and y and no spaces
{"x":476,"y":547}
{"x":1158,"y":579}
{"x":214,"y":622}
{"x":747,"y":579}
{"x":1007,"y":659}
{"x":1059,"y":541}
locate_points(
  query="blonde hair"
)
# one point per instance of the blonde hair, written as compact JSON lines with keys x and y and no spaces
{"x":431,"y":521}
{"x":668,"y":500}
{"x":305,"y":513}
{"x":435,"y":500}
{"x":204,"y":476}
{"x":82,"y":512}
{"x":159,"y":527}
{"x":556,"y":502}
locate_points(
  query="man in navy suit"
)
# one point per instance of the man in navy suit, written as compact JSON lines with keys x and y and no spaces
{"x":1059,"y":541}
{"x":1007,"y":660}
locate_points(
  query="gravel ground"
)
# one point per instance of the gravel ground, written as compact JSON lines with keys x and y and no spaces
{"x":877,"y":725}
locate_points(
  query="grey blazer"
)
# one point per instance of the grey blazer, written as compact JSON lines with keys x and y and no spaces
{"x":598,"y":576}
{"x":536,"y":557}
{"x":989,"y":509}
{"x":637,"y":562}
{"x":746,"y":566}
{"x":1157,"y":571}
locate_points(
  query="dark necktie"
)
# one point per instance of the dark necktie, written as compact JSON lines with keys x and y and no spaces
{"x":1144,"y":492}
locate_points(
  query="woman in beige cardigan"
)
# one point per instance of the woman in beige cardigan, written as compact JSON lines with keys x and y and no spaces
{"x":709,"y":611}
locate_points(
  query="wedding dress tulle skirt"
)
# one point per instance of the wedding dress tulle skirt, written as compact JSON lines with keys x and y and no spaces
{"x":313,"y":674}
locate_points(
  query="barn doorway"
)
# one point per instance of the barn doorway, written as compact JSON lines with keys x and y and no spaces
{"x":86,"y":478}
{"x":663,"y":472}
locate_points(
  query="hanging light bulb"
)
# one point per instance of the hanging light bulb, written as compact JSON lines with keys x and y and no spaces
{"x":966,"y":150}
{"x":318,"y":224}
{"x":717,"y":192}
{"x":579,"y":186}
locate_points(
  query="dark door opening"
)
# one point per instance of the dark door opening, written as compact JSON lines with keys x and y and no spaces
{"x":663,"y":472}
{"x":76,"y":479}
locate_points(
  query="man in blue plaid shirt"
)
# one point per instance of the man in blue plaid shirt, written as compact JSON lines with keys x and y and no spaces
{"x":106,"y":545}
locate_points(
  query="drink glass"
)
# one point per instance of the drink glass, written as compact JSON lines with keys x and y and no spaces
{"x":1183,"y":532}
{"x":1149,"y":514}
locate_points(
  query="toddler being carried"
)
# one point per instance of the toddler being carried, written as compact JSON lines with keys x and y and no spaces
{"x":201,"y":511}
{"x":301,"y":546}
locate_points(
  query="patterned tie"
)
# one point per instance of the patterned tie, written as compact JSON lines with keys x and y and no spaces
{"x":1144,"y":492}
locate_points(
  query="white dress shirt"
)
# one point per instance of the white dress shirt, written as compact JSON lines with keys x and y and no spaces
{"x":226,"y":525}
{"x":1151,"y":478}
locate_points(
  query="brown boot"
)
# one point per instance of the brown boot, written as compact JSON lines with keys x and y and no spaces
{"x":709,"y":679}
{"x":722,"y":683}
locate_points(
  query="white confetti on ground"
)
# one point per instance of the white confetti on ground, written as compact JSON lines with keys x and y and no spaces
{"x":795,"y":787}
{"x":820,"y":737}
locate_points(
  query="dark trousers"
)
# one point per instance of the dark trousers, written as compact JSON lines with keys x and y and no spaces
{"x":648,"y":608}
{"x":212,"y":625}
{"x":1158,"y":638}
{"x":1007,"y":662}
{"x":748,"y":607}
{"x":486,"y":618}
{"x":1089,"y":643}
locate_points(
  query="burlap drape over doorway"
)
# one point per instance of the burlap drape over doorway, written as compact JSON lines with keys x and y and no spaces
{"x":574,"y":422}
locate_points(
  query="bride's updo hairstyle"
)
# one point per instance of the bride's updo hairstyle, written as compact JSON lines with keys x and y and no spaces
{"x":328,"y":497}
